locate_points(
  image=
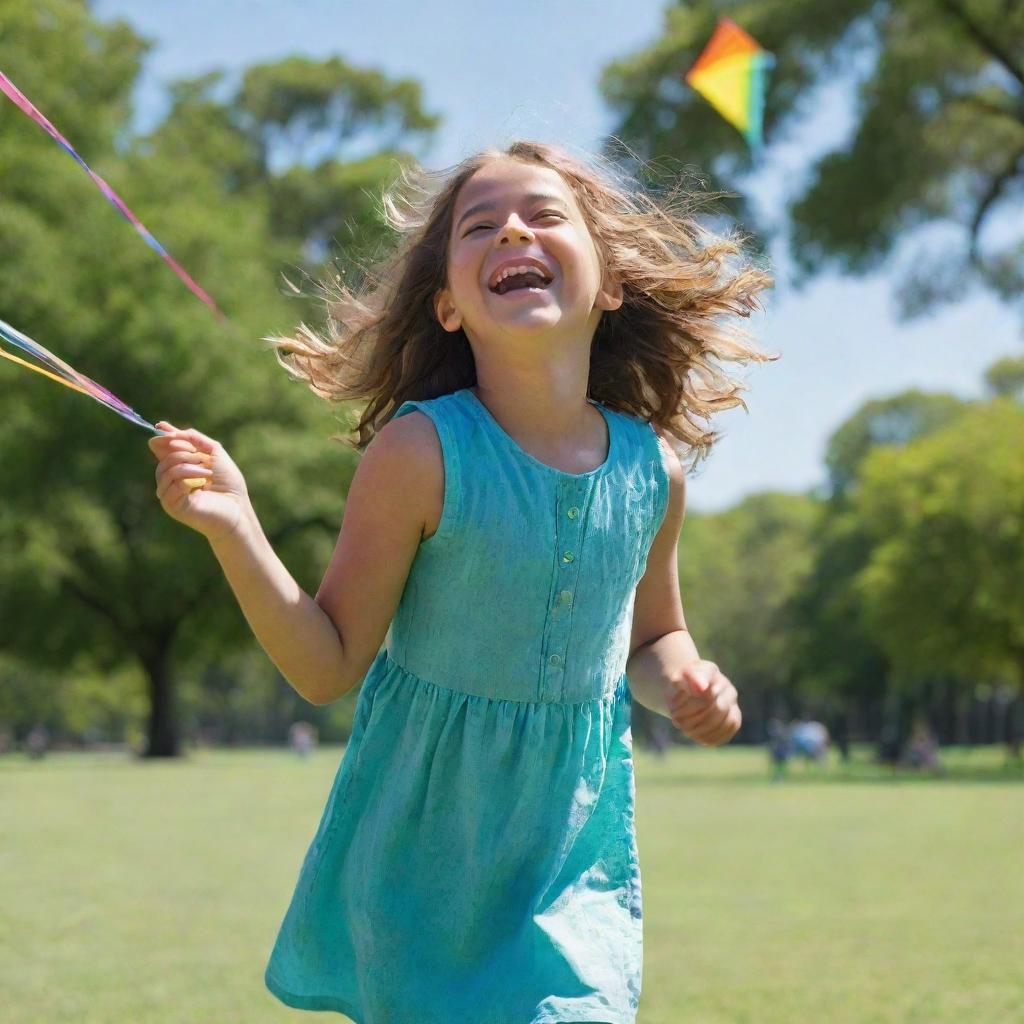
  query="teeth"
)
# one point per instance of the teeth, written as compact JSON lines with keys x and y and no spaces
{"x":525,"y":269}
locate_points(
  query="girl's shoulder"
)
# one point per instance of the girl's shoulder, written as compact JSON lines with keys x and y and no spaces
{"x":654,"y":466}
{"x":650,"y":438}
{"x":441,"y":415}
{"x":446,"y":403}
{"x":434,"y":426}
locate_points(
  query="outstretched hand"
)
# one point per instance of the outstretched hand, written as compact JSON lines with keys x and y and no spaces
{"x":704,"y":704}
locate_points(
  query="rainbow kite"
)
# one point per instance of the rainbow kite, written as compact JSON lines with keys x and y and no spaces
{"x":22,"y":102}
{"x":731,"y":74}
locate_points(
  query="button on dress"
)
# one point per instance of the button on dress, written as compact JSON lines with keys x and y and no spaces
{"x":476,"y":861}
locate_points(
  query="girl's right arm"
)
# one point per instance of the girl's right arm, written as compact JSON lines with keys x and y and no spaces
{"x":323,"y":646}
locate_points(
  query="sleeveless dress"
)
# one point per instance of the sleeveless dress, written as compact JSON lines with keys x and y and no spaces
{"x":476,"y":861}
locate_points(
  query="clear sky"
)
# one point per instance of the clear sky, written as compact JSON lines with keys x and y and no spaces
{"x":495,"y":73}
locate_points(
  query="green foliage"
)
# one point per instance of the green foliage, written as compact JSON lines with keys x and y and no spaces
{"x":90,"y":566}
{"x":837,"y":649}
{"x":75,"y":700}
{"x":333,"y":201}
{"x":942,"y":587}
{"x":241,"y":699}
{"x":909,"y":572}
{"x":329,"y":102}
{"x":895,"y":420}
{"x":277,"y":139}
{"x":1005,"y":377}
{"x":741,"y":568}
{"x":44,"y":41}
{"x":833,"y":650}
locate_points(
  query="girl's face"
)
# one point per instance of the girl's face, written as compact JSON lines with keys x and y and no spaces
{"x":513,"y":214}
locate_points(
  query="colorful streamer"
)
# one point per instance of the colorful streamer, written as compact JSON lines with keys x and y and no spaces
{"x":731,"y":74}
{"x":71,"y":378}
{"x":25,"y":105}
{"x":67,"y":375}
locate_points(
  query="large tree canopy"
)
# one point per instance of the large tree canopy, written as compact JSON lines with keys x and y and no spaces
{"x":937,"y":139}
{"x":89,"y":563}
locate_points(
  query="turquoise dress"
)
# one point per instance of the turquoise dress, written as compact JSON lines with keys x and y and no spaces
{"x":476,"y":862}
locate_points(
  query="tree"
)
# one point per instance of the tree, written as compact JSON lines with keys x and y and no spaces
{"x":743,"y":567}
{"x":896,"y":420}
{"x":838,"y":654}
{"x":88,"y":561}
{"x":1005,"y":378}
{"x":279,"y":137}
{"x":938,"y":137}
{"x":941,"y":589}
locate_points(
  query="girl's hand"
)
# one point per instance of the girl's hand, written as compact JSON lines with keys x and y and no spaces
{"x":216,"y":507}
{"x":704,"y":704}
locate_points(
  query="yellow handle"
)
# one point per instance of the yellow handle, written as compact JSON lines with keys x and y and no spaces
{"x":197,"y":482}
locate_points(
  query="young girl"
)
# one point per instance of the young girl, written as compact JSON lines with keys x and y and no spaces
{"x":504,"y":584}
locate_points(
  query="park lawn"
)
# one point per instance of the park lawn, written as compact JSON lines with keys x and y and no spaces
{"x":150,"y":892}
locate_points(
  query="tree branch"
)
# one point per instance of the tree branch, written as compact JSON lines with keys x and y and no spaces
{"x":987,"y":43}
{"x":91,"y":601}
{"x":1016,"y":116}
{"x":996,"y":187}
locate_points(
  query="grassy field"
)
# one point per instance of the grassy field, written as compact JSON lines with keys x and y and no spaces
{"x":150,"y":893}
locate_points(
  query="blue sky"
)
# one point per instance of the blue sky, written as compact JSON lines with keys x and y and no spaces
{"x":495,"y":77}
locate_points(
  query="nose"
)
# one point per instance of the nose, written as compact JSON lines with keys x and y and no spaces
{"x":514,"y":229}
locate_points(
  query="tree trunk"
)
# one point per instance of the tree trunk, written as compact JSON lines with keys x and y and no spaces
{"x":947,"y":728}
{"x":1014,"y":730}
{"x":162,"y":737}
{"x":840,"y":729}
{"x":963,"y":715}
{"x":1012,"y":733}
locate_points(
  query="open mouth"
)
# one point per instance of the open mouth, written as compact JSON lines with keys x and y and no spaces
{"x":530,"y":281}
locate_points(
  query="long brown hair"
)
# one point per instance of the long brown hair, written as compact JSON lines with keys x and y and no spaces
{"x":654,"y":357}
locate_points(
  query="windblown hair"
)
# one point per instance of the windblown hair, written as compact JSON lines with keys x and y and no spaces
{"x":654,"y":357}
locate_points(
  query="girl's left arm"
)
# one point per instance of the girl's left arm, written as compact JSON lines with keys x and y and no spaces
{"x":665,"y":671}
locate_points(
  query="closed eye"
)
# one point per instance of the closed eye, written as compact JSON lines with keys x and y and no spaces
{"x":547,"y":214}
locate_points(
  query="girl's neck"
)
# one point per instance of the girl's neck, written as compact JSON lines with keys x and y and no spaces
{"x":559,"y":431}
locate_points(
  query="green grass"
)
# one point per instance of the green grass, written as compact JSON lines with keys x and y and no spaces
{"x":150,"y":893}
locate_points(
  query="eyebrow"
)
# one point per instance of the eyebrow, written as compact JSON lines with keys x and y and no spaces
{"x":533,"y":197}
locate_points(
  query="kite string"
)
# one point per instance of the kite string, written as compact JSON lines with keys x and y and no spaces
{"x":68,"y":375}
{"x":45,"y":373}
{"x":23,"y":103}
